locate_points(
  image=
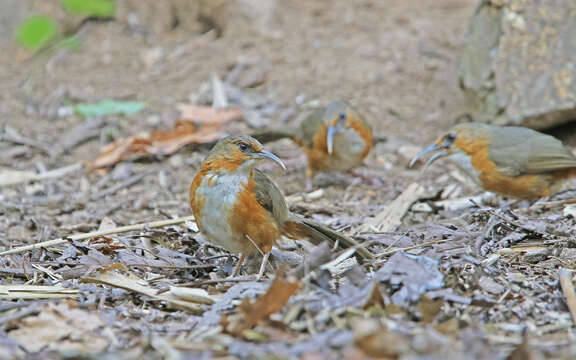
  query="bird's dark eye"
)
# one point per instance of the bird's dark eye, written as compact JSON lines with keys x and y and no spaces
{"x":243,"y":146}
{"x":451,"y":137}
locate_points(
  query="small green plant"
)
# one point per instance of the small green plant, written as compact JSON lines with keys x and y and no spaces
{"x":109,"y":107}
{"x":95,"y":8}
{"x":37,"y":31}
{"x":40,"y":31}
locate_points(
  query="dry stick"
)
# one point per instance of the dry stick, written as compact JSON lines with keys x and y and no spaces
{"x":550,"y":204}
{"x":127,"y":183}
{"x":121,"y":229}
{"x":428,"y":243}
{"x":568,"y":290}
{"x":51,"y":174}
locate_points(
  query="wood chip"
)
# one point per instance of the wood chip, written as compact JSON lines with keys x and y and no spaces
{"x":390,"y":217}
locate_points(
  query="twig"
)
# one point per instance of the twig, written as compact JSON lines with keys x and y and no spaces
{"x":513,"y":222}
{"x":218,"y":281}
{"x":18,"y":272}
{"x":568,"y":290}
{"x":428,"y":243}
{"x":550,"y":204}
{"x":126,"y":183}
{"x":30,"y":310}
{"x":13,"y":136}
{"x":121,"y":229}
{"x":56,"y":173}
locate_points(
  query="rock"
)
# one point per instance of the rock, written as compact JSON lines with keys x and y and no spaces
{"x":152,"y":16}
{"x":518,"y":63}
{"x":241,"y":17}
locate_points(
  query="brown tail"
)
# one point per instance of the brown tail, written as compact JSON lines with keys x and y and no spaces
{"x":272,"y":135}
{"x":316,"y":233}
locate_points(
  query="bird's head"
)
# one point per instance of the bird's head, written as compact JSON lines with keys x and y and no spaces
{"x":239,"y":152}
{"x":338,"y":115}
{"x":461,"y":138}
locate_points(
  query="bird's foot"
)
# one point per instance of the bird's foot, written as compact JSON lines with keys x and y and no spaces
{"x":372,"y":181}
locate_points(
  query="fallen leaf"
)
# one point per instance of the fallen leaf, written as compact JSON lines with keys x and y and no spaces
{"x":159,"y":142}
{"x":272,"y":301}
{"x":61,"y":328}
{"x":119,"y":276}
{"x":429,"y":308}
{"x":208,"y":115}
{"x":412,"y":274}
{"x":200,"y":296}
{"x":377,"y":341}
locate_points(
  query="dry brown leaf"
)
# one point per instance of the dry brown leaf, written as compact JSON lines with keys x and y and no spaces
{"x":198,"y":125}
{"x":119,"y":276}
{"x":159,"y":142}
{"x":429,"y":308}
{"x":208,"y":115}
{"x":272,"y":301}
{"x":376,"y":341}
{"x":61,"y":328}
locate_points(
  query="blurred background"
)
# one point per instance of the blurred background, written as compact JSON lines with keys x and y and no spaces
{"x":396,"y":60}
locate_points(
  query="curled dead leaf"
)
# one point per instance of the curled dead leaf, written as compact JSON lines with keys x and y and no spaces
{"x":272,"y":301}
{"x":198,"y":125}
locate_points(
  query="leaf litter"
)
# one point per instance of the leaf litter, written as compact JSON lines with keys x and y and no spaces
{"x":453,"y":281}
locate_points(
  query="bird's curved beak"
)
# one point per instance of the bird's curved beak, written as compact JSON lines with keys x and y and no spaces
{"x":332,"y":130}
{"x":267,"y":155}
{"x":427,"y":150}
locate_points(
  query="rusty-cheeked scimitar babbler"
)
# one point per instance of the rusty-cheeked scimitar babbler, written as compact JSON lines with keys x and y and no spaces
{"x":509,"y":160}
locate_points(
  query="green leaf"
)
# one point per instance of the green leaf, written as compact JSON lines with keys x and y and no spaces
{"x":36,"y":32}
{"x":109,"y":107}
{"x":97,"y":8}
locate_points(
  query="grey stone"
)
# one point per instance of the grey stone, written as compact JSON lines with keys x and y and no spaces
{"x":518,"y":65}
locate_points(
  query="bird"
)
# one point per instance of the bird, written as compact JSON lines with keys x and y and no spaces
{"x":335,"y":138}
{"x":512,"y":161}
{"x":239,"y":208}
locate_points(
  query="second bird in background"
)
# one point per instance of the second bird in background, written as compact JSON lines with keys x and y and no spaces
{"x":335,"y":138}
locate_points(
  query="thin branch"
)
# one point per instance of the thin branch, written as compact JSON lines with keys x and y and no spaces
{"x":121,"y":229}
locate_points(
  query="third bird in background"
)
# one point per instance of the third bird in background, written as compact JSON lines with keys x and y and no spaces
{"x":509,"y":160}
{"x":335,"y":138}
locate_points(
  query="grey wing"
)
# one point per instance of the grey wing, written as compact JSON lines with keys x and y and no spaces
{"x":518,"y":151}
{"x":310,"y":126}
{"x":269,"y":196}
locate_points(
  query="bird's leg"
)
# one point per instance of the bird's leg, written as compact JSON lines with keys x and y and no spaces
{"x":309,"y":177}
{"x":368,"y":179}
{"x":263,"y":266}
{"x":238,"y":266}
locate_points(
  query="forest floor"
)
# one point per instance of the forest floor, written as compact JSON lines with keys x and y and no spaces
{"x":450,"y":279}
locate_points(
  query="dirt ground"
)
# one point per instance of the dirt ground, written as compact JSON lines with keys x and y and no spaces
{"x":476,"y":282}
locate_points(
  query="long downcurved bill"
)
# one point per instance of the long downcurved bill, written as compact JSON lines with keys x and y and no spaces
{"x":332,"y":130}
{"x":427,"y":150}
{"x":267,"y":155}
